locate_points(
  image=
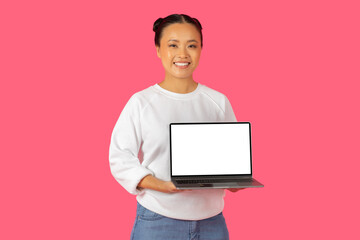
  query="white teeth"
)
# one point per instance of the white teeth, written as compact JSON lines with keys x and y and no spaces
{"x":181,"y":64}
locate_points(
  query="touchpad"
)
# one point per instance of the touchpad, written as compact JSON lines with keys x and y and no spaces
{"x":206,"y":185}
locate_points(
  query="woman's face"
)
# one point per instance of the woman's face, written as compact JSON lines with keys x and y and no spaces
{"x":180,"y":42}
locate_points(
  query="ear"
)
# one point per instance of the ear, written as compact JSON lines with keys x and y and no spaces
{"x":158,"y":51}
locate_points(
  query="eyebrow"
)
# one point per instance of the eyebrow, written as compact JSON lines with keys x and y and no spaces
{"x":174,"y":40}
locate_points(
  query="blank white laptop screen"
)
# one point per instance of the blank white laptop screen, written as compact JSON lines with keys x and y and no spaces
{"x":210,"y":149}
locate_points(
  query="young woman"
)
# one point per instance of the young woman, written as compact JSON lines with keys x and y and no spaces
{"x":139,"y":148}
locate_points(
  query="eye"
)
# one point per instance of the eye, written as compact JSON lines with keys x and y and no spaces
{"x":193,"y":46}
{"x":172,"y":45}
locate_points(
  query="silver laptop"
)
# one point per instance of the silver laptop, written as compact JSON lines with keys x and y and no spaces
{"x":211,"y":155}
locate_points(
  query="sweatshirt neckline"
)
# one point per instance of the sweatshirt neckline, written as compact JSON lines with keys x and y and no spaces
{"x":178,"y":95}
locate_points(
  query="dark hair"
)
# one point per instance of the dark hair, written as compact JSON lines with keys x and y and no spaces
{"x":161,"y":23}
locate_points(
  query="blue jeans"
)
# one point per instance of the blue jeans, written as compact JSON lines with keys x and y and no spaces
{"x":152,"y":226}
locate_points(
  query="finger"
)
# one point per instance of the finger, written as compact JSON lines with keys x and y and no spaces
{"x":182,"y":190}
{"x":235,"y":189}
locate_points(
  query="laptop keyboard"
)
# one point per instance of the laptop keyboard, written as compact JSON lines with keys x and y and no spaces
{"x":210,"y":181}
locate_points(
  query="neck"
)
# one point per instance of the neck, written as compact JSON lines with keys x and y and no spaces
{"x":179,"y":85}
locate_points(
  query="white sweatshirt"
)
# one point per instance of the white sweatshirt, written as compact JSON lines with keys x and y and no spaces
{"x":140,"y":146}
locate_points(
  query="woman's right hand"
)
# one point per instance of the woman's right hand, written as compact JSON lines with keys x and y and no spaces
{"x":154,"y":183}
{"x":169,"y":187}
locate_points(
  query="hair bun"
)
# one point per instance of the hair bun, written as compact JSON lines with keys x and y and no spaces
{"x":157,"y":24}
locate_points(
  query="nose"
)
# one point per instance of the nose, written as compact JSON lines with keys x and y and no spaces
{"x":182,"y":52}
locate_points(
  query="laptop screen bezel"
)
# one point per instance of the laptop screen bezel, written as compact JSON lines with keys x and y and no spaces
{"x":214,"y":175}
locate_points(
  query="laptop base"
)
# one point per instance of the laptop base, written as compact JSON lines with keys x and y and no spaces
{"x":244,"y":183}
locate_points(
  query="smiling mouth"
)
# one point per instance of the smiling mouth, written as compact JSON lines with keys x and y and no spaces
{"x":182,"y":64}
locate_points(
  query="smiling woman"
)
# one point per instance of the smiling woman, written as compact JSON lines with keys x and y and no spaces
{"x":139,"y":147}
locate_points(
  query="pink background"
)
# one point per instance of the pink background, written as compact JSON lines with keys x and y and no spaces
{"x":68,"y":68}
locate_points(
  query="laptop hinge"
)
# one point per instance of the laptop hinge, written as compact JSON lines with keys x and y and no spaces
{"x":210,"y":177}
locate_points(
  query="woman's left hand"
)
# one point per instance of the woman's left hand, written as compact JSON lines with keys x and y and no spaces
{"x":235,"y":189}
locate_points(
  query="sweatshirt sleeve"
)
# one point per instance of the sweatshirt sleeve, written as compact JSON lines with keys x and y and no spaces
{"x":229,"y":113}
{"x":125,"y":142}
